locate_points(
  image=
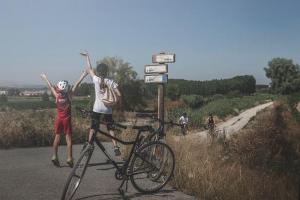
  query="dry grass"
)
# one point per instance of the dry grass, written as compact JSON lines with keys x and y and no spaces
{"x":256,"y":164}
{"x":203,"y":171}
{"x":127,"y":135}
{"x":29,"y":128}
{"x":260,"y":162}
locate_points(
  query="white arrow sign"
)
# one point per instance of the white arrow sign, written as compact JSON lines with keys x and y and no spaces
{"x":151,"y":69}
{"x":163,"y":58}
{"x":161,"y":78}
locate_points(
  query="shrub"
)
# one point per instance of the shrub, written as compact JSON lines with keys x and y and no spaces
{"x":193,"y":101}
{"x":173,"y":92}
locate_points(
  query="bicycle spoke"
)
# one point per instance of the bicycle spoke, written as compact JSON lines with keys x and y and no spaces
{"x":152,"y":167}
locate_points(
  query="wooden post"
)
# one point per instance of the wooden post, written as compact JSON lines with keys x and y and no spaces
{"x":161,"y":101}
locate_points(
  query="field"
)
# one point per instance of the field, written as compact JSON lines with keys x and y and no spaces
{"x":35,"y":103}
{"x":29,"y":121}
{"x":220,"y":108}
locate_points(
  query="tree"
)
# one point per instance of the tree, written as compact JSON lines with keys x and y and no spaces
{"x":122,"y":72}
{"x":84,"y":89}
{"x":173,"y":91}
{"x":284,"y":75}
{"x":193,"y":101}
{"x":119,"y":70}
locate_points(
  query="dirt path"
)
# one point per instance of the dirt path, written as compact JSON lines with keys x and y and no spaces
{"x":236,"y":123}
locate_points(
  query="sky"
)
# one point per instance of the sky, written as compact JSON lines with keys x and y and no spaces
{"x":211,"y":39}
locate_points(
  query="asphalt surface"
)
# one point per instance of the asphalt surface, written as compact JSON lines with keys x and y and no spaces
{"x":27,"y":173}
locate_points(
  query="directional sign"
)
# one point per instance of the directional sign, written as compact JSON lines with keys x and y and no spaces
{"x":161,"y":78}
{"x":163,"y":58}
{"x":159,"y":69}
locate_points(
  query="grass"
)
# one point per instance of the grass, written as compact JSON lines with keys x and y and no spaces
{"x":34,"y":104}
{"x":260,"y":162}
{"x":221,"y":108}
{"x":34,"y":128}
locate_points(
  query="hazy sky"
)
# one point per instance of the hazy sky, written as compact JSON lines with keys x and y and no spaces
{"x":211,"y":39}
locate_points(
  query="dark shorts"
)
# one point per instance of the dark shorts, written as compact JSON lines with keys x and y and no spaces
{"x":107,"y":118}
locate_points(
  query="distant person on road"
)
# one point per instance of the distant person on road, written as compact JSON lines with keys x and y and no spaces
{"x":63,"y":96}
{"x":100,"y":108}
{"x":184,"y":120}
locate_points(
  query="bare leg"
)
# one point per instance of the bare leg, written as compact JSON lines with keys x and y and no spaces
{"x":55,"y":145}
{"x":116,"y":148}
{"x":69,"y":146}
{"x":112,"y":133}
{"x":92,"y":131}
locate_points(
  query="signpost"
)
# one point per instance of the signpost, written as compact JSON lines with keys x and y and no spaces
{"x":156,"y":69}
{"x":157,"y":73}
{"x":160,"y":78}
{"x":163,"y":58}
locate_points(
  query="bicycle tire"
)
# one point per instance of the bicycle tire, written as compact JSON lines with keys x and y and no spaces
{"x":144,"y":164}
{"x":81,"y":164}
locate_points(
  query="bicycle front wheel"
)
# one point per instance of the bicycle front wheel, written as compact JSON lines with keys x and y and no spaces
{"x":152,"y":167}
{"x":77,"y":173}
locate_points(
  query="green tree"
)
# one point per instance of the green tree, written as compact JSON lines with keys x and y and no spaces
{"x":193,"y":101}
{"x":84,"y":89}
{"x":173,"y":91}
{"x":284,"y":75}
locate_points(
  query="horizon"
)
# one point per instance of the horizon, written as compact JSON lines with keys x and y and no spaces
{"x":39,"y":86}
{"x":211,"y":39}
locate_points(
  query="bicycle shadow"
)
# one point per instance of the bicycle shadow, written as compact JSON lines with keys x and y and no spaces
{"x":167,"y":193}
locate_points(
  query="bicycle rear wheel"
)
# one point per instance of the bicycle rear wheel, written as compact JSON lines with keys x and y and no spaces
{"x":77,"y":173}
{"x":152,"y":167}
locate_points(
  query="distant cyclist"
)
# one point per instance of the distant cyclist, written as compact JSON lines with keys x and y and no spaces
{"x":211,"y":122}
{"x":184,"y":120}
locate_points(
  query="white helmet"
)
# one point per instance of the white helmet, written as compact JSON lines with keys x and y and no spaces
{"x":63,"y":86}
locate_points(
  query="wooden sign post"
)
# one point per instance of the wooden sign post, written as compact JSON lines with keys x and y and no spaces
{"x":158,"y":75}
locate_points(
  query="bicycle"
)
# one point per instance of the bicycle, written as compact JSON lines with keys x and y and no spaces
{"x":184,"y":129}
{"x":157,"y":134}
{"x":148,"y":167}
{"x":214,"y":133}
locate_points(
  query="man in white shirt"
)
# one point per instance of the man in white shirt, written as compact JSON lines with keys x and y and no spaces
{"x":184,"y":120}
{"x":100,"y":109}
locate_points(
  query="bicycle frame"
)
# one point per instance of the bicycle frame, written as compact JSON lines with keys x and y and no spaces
{"x":113,"y":162}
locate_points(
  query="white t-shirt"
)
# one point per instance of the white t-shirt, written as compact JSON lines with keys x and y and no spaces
{"x":99,"y":106}
{"x":183,"y":120}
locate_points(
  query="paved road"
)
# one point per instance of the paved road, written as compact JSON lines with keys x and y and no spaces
{"x":27,"y":173}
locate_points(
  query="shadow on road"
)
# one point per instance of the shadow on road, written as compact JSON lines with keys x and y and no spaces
{"x":117,"y":196}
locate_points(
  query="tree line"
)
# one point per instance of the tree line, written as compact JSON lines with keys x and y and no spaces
{"x":238,"y":85}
